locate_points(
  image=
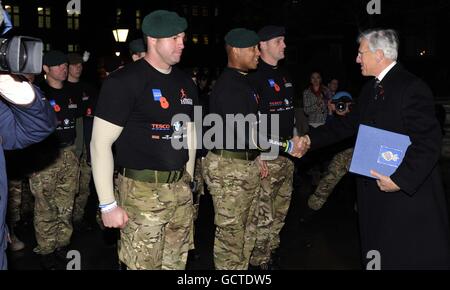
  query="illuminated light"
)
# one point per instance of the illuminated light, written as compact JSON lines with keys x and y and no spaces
{"x":195,"y":39}
{"x":120,"y":35}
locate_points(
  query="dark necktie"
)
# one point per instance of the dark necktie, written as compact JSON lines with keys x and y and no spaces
{"x":379,"y":91}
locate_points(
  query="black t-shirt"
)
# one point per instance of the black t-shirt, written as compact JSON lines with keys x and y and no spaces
{"x":233,"y":94}
{"x":88,"y":95}
{"x":67,"y":107}
{"x":143,"y":101}
{"x":275,"y":88}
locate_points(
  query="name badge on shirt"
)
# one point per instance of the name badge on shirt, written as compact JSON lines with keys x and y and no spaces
{"x":156,"y":94}
{"x":73,"y":106}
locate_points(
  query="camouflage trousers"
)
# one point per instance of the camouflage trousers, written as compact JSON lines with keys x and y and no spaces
{"x":274,"y":201}
{"x":233,"y":185}
{"x":82,"y":196}
{"x":14,"y":201}
{"x":54,"y":190}
{"x":158,"y":233}
{"x":338,"y":167}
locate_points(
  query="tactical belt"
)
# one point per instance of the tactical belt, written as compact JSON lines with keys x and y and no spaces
{"x":243,"y":155}
{"x":152,"y":176}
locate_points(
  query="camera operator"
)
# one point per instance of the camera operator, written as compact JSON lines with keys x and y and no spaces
{"x":24,"y":119}
{"x":338,"y":107}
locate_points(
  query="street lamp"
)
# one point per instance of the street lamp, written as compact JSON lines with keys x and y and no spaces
{"x":120,"y":34}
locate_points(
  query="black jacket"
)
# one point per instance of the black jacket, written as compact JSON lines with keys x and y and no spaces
{"x":410,"y":227}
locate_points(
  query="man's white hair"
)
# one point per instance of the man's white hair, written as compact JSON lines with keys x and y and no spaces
{"x":383,"y":39}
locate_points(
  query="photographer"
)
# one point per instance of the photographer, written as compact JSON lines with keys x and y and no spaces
{"x":24,"y":119}
{"x":338,"y":107}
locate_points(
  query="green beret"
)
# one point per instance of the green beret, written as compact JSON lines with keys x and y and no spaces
{"x":163,"y":24}
{"x":137,"y":46}
{"x":241,"y":38}
{"x":54,"y":58}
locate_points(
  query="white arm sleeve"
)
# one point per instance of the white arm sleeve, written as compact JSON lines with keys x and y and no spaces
{"x":192,"y":147}
{"x":104,"y":134}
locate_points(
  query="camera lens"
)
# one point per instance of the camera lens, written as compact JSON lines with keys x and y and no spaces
{"x":341,"y":107}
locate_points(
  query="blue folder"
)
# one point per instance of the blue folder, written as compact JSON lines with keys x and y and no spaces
{"x":378,"y":149}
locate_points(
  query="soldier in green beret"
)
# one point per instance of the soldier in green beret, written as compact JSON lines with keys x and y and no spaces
{"x":154,"y":207}
{"x":137,"y":49}
{"x":232,"y":174}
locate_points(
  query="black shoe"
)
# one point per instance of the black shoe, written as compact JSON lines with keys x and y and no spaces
{"x":275,"y":260}
{"x":253,"y":267}
{"x":51,"y":262}
{"x":261,"y":267}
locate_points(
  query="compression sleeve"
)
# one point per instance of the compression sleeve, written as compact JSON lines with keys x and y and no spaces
{"x":104,"y":134}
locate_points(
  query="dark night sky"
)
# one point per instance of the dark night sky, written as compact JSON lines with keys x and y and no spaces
{"x":321,"y":34}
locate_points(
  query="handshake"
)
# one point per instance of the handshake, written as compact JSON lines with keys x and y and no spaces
{"x":300,"y":145}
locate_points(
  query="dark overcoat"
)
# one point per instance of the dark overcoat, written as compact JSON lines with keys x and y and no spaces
{"x":408,"y":228}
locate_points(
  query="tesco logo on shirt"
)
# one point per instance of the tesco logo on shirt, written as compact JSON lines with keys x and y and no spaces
{"x":161,"y":127}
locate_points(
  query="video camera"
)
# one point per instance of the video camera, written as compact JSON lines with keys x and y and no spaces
{"x":18,"y":54}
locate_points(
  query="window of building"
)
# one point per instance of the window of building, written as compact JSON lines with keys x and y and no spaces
{"x":44,"y":17}
{"x":205,"y":11}
{"x":47,"y":47}
{"x":194,"y":38}
{"x":73,"y":21}
{"x":138,"y":19}
{"x":216,"y":11}
{"x":195,"y":10}
{"x":118,"y":14}
{"x":205,"y":39}
{"x":185,"y":9}
{"x":73,"y":48}
{"x":14,"y":13}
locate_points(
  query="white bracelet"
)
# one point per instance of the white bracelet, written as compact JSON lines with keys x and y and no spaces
{"x":108,"y":207}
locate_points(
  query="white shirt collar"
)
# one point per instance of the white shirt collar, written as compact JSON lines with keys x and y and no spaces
{"x":385,"y":71}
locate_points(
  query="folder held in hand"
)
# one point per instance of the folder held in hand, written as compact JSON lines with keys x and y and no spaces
{"x":378,"y":149}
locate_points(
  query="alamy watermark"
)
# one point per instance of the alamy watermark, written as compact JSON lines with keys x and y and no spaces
{"x":375,"y":260}
{"x":236,"y":131}
{"x":73,"y":7}
{"x":374,"y":7}
{"x":74,"y":257}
